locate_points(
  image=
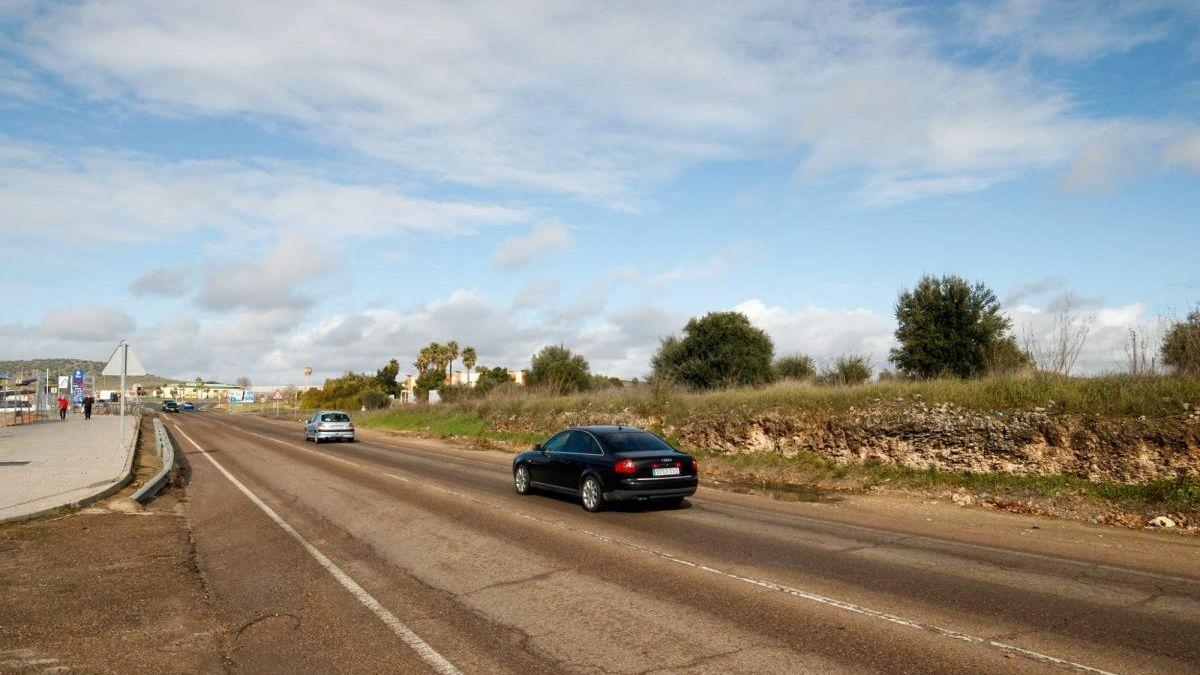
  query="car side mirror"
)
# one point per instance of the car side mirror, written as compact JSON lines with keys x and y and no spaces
{"x":539,"y":448}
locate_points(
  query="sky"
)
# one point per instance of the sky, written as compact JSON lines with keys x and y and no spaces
{"x":246,"y":188}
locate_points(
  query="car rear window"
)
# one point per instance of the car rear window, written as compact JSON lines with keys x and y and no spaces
{"x":335,"y":417}
{"x":636,"y":442}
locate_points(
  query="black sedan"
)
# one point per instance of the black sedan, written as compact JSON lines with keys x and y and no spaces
{"x":170,"y":406}
{"x":607,"y":463}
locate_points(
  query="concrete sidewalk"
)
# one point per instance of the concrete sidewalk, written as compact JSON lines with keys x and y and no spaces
{"x":52,"y":464}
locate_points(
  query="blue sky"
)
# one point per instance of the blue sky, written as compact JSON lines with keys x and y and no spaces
{"x":248,"y":188}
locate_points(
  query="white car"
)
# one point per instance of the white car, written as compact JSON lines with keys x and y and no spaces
{"x":329,"y":425}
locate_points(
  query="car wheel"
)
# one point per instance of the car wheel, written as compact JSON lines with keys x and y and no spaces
{"x":521,"y":480}
{"x":591,"y":495}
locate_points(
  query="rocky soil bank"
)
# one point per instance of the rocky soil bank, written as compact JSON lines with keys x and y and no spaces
{"x":913,"y":434}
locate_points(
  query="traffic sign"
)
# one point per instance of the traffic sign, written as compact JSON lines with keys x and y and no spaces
{"x":277,"y":396}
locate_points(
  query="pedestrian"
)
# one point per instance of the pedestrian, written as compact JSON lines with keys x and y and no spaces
{"x":88,"y":401}
{"x":62,"y":407}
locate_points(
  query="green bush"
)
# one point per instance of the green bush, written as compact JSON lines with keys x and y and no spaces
{"x":847,"y":370}
{"x":1181,"y":346}
{"x":795,"y":367}
{"x":719,"y":349}
{"x":373,"y":398}
{"x":949,"y":327}
{"x":555,"y":369}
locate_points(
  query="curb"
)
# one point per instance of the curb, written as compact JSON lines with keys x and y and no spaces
{"x":122,"y":480}
{"x":166,"y":454}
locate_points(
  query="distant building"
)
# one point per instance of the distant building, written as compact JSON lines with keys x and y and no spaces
{"x":202,"y":391}
{"x":408,"y":384}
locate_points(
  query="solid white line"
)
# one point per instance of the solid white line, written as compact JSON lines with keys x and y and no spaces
{"x":438,"y":662}
{"x":795,"y":592}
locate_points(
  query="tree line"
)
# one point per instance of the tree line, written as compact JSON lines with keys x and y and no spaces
{"x":946,"y":326}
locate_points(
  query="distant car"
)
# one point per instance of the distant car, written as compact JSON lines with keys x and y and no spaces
{"x":602,"y":464}
{"x":170,"y":406}
{"x":329,"y":425}
{"x":187,"y":405}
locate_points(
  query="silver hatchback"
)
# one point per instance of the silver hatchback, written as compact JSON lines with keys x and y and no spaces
{"x":329,"y":425}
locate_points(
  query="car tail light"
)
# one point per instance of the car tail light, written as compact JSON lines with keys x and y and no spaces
{"x":695,"y":466}
{"x":626,"y":466}
{"x":320,"y":425}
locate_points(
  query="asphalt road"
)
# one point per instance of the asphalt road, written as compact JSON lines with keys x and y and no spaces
{"x":414,"y":556}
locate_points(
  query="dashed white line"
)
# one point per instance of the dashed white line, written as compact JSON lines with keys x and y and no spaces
{"x":795,"y":592}
{"x":430,"y":655}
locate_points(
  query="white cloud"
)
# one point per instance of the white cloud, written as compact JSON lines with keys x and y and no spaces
{"x":92,"y":194}
{"x":1185,"y":151}
{"x":821,"y":332}
{"x":166,"y":282}
{"x":273,"y":281}
{"x":544,"y":239}
{"x":1107,"y":330}
{"x":1033,"y":289}
{"x":1069,"y":30}
{"x":86,"y":323}
{"x":598,"y":101}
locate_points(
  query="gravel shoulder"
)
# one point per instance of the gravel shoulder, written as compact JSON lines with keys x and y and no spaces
{"x":110,"y":589}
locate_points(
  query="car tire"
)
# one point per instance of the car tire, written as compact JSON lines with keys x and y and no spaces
{"x":672,"y":502}
{"x":521,"y":480}
{"x":591,"y":495}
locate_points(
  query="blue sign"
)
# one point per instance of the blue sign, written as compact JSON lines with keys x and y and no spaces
{"x":77,"y":386}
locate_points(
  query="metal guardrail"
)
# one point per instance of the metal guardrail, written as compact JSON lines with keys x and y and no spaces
{"x":166,"y":453}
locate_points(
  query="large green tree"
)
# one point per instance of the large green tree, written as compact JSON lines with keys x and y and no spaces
{"x":949,"y":326}
{"x":719,"y":349}
{"x":1181,"y":346}
{"x":386,"y":377}
{"x":558,"y":370}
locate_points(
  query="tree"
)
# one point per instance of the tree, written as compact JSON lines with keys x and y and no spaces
{"x":451,"y":354}
{"x":795,"y":367}
{"x":719,"y":349}
{"x":1181,"y":346}
{"x":556,"y":369}
{"x":386,"y":377}
{"x":947,"y":326}
{"x":490,"y":378}
{"x":469,"y":359}
{"x":428,"y":380}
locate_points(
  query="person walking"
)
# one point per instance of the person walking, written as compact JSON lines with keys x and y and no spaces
{"x":62,"y":407}
{"x":88,"y":402}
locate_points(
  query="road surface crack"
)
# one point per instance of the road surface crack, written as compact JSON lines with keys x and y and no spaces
{"x":516,"y":582}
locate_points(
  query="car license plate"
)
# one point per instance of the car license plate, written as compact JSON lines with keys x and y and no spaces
{"x":670,"y":471}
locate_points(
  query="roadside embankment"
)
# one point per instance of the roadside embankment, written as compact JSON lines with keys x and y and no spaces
{"x":1123,"y":439}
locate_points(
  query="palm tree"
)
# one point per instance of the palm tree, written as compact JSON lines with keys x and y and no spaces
{"x":428,"y":356}
{"x":469,"y":359}
{"x":451,"y":354}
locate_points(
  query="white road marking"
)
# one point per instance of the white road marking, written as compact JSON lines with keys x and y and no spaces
{"x":795,"y":592}
{"x":438,"y":662}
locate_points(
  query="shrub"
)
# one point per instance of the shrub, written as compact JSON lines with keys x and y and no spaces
{"x":795,"y":367}
{"x":427,"y":379}
{"x":373,"y":398}
{"x":719,"y":349}
{"x":1181,"y":346}
{"x":556,"y":369}
{"x":948,"y":326}
{"x":847,"y":370}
